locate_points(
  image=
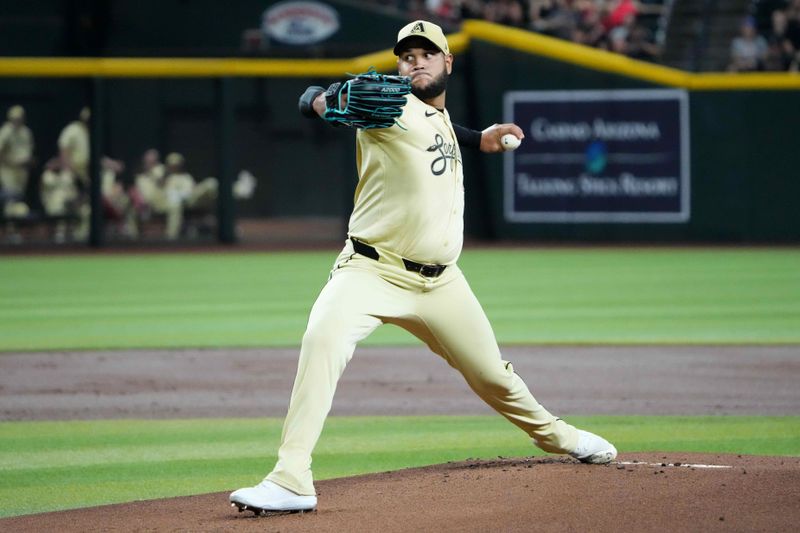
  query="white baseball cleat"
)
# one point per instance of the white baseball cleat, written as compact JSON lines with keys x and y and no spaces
{"x":593,"y":449}
{"x":268,"y":497}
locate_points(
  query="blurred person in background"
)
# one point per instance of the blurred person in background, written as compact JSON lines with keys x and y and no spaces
{"x":16,"y":157}
{"x":793,"y":34}
{"x":445,"y":10}
{"x":415,"y":9}
{"x":640,"y":44}
{"x":168,"y":190}
{"x":508,"y":12}
{"x":589,"y":29}
{"x":117,"y":205}
{"x":73,"y":146}
{"x":147,"y":192}
{"x":618,"y":12}
{"x":552,"y":17}
{"x":471,"y":9}
{"x":749,"y":49}
{"x":780,"y":52}
{"x":61,"y":197}
{"x":182,"y":192}
{"x":618,"y":35}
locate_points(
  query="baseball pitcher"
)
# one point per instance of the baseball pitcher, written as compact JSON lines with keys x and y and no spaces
{"x":399,"y":264}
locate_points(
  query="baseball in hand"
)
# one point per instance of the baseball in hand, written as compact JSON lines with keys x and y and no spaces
{"x":509,"y":142}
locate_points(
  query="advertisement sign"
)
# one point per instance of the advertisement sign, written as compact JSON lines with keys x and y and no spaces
{"x":300,"y":23}
{"x":611,"y":156}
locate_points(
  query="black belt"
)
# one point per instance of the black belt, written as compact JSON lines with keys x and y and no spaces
{"x":429,"y":271}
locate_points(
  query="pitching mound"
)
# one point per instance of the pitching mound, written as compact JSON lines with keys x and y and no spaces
{"x":642,"y":492}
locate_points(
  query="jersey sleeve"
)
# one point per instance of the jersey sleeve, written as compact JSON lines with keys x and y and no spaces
{"x":467,"y":137}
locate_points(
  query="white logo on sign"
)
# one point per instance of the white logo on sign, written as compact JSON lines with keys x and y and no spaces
{"x":300,"y":22}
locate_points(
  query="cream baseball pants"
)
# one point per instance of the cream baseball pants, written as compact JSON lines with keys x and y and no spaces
{"x":363,"y":294}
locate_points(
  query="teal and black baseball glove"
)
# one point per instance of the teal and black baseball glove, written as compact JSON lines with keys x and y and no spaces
{"x":368,"y":100}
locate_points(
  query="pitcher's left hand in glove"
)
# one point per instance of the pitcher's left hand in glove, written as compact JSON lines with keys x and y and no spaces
{"x":368,"y":100}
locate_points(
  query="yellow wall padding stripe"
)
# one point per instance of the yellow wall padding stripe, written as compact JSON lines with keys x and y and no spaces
{"x":169,"y":67}
{"x":759,"y":80}
{"x":385,"y":61}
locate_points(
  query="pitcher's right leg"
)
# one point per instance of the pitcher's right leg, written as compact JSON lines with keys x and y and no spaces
{"x":345,"y":312}
{"x":339,"y":319}
{"x":351,"y":305}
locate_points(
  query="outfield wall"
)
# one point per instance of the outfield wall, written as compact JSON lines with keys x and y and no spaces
{"x":743,"y":161}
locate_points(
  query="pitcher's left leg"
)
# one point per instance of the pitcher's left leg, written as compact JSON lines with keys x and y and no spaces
{"x":458,"y":330}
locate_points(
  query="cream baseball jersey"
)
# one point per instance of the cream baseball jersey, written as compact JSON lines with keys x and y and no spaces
{"x":16,"y":145}
{"x":410,"y":195}
{"x":75,"y":140}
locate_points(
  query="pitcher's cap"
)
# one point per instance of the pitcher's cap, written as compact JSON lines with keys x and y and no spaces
{"x":426,"y":30}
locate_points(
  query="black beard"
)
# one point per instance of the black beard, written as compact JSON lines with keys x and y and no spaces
{"x":433,"y":89}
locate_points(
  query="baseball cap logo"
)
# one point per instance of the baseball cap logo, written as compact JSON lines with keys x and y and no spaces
{"x":422,"y":29}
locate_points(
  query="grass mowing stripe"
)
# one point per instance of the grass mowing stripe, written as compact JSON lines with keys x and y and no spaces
{"x":543,"y":296}
{"x":86,"y":463}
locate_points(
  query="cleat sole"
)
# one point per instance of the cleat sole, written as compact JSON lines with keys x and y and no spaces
{"x":266,"y":512}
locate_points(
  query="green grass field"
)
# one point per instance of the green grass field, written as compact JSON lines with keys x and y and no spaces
{"x":77,"y":464}
{"x":531,"y":296}
{"x":592,"y":296}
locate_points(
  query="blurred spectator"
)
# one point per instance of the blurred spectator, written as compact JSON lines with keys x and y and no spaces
{"x":552,"y":17}
{"x":148,"y":189}
{"x":793,"y":34}
{"x":117,"y":205}
{"x":445,"y":10}
{"x":149,"y":193}
{"x":589,"y":29}
{"x":62,"y":198}
{"x":471,"y":9}
{"x":508,"y":12}
{"x":780,"y":52}
{"x":183,"y":192}
{"x":619,"y":35}
{"x":73,"y":145}
{"x":16,"y":156}
{"x":169,"y":190}
{"x":619,"y":13}
{"x":417,"y":9}
{"x":748,"y":50}
{"x":640,"y":44}
{"x":607,"y":24}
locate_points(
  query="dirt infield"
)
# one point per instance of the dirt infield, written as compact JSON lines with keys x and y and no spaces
{"x":642,"y":492}
{"x":678,"y":380}
{"x":654,"y":494}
